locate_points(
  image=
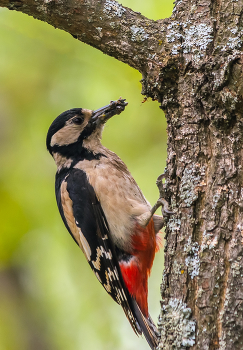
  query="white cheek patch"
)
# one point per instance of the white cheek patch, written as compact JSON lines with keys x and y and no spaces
{"x":67,"y":135}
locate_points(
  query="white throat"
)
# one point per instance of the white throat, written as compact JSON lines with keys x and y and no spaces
{"x":61,"y":161}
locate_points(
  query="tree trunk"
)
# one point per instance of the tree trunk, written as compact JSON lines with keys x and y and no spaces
{"x":192,"y":64}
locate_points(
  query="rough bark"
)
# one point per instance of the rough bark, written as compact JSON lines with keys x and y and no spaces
{"x":115,"y":30}
{"x":192,"y":64}
{"x":203,"y":261}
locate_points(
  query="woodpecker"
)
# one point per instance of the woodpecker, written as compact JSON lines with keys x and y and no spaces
{"x":105,"y":211}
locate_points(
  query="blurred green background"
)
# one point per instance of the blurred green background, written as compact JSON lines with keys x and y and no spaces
{"x":49,"y":297}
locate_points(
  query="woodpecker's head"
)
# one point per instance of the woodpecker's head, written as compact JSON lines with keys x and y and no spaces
{"x":79,"y":128}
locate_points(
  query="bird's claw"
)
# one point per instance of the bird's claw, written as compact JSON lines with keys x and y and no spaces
{"x":161,"y":201}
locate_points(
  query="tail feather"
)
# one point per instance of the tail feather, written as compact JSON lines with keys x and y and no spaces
{"x":147,"y":326}
{"x":131,"y":316}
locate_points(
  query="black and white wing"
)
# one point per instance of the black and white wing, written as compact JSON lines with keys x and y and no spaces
{"x":85,"y":220}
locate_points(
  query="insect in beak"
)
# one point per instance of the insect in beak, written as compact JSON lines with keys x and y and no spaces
{"x":101,"y":115}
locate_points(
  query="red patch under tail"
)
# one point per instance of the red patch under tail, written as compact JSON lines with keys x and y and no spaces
{"x":136,"y":271}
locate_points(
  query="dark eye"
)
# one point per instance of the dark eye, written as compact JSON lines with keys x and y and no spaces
{"x":78,"y":120}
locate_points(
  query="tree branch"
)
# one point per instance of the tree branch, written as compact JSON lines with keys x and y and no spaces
{"x":104,"y":24}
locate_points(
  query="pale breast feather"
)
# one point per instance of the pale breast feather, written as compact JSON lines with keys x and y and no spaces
{"x":119,"y":195}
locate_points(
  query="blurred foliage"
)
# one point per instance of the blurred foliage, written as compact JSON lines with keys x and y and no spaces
{"x":49,"y":298}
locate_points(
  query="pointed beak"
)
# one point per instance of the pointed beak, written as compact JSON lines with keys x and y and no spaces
{"x":101,"y":115}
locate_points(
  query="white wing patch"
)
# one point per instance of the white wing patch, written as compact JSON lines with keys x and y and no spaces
{"x":96,"y":263}
{"x":85,"y":245}
{"x":67,"y":206}
{"x":119,"y":295}
{"x":100,"y":251}
{"x":107,"y":284}
{"x":111,"y":275}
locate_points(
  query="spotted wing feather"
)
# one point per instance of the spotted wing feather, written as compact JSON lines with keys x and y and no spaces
{"x":83,"y":216}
